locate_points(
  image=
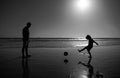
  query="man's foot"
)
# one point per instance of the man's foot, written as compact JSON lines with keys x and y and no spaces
{"x":23,"y":57}
{"x":28,"y":56}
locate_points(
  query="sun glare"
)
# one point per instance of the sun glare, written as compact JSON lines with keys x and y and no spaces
{"x":81,"y":5}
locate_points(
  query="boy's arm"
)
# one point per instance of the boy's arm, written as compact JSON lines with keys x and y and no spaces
{"x":95,"y":42}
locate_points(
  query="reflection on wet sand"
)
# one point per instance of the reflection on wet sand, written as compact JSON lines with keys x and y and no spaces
{"x":25,"y":67}
{"x":90,"y":73}
{"x":90,"y":68}
{"x":66,"y":61}
{"x":86,"y":71}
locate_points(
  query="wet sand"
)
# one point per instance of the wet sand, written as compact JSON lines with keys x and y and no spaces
{"x":51,"y":62}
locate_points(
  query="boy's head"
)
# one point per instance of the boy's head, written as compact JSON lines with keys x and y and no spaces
{"x":88,"y":37}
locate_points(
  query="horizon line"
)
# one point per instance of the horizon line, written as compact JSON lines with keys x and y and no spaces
{"x":60,"y":37}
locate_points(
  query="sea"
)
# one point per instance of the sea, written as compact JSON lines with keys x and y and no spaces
{"x":56,"y":42}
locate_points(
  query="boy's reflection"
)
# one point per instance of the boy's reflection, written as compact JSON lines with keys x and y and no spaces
{"x":91,"y":73}
{"x":89,"y":66}
{"x":25,"y":67}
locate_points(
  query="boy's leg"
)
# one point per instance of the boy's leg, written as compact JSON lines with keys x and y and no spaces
{"x":89,"y":54}
{"x":82,"y":49}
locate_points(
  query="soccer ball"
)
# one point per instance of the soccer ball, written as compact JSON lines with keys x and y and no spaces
{"x":65,"y":53}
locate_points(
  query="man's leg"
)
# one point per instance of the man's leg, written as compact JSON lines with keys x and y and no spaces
{"x":26,"y":48}
{"x":23,"y":48}
{"x":27,"y":43}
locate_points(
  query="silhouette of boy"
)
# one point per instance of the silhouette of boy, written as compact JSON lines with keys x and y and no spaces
{"x":90,"y":45}
{"x":25,"y":34}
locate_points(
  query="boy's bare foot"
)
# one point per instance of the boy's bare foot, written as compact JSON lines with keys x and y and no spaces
{"x":79,"y":50}
{"x":79,"y":62}
{"x":89,"y":56}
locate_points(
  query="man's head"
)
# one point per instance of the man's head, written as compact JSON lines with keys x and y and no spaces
{"x":29,"y":24}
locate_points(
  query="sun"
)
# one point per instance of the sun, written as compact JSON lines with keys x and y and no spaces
{"x":81,"y":5}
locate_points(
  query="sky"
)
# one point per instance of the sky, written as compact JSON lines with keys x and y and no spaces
{"x":60,"y":18}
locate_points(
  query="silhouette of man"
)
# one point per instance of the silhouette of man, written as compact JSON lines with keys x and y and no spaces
{"x":90,"y":45}
{"x":25,"y":34}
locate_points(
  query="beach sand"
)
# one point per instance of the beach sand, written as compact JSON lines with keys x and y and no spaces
{"x":51,"y":62}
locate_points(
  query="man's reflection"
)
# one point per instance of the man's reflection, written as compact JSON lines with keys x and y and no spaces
{"x":25,"y":67}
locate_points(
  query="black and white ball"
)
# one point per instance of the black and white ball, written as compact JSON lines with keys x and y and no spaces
{"x":65,"y":53}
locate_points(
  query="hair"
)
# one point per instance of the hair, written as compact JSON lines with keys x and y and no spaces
{"x":88,"y":37}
